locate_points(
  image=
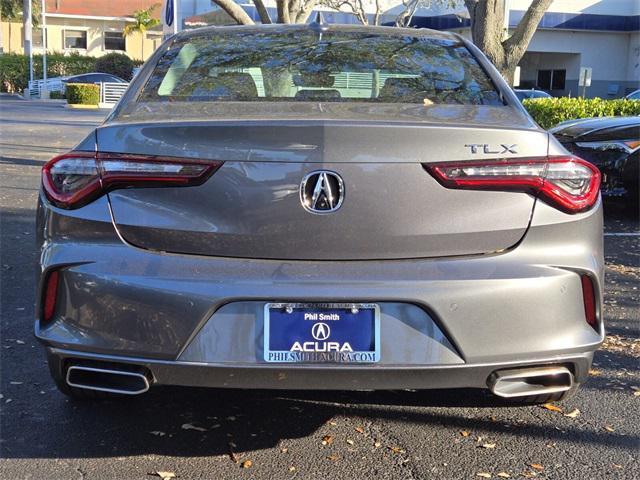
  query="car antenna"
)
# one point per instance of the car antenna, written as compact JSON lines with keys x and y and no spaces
{"x":319,"y":24}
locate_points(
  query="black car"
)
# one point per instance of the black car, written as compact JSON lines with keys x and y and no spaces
{"x":96,"y":77}
{"x":610,"y":143}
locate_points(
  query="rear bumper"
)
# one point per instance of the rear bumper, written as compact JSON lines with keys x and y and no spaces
{"x":446,"y":322}
{"x":315,"y":377}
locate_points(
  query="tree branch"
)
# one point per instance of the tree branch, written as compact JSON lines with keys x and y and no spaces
{"x":262,"y":11}
{"x":516,"y":44}
{"x":305,"y":11}
{"x":283,"y":11}
{"x":235,"y":11}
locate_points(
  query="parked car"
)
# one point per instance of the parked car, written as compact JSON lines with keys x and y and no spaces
{"x":633,"y":95}
{"x":320,"y":207}
{"x":93,"y":78}
{"x":613,"y":145}
{"x":528,"y":94}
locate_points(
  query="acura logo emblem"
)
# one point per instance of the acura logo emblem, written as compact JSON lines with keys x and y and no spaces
{"x":320,"y":331}
{"x":321,"y":191}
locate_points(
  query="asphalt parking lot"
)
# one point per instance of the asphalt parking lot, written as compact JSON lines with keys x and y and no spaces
{"x":211,"y":434}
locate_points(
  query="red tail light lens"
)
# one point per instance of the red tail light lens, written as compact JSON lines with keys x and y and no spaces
{"x":50,"y":296}
{"x":589,"y":297}
{"x":75,"y":179}
{"x":568,"y":183}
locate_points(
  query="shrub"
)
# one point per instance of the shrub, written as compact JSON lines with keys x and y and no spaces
{"x":549,"y":112}
{"x":83,"y":93}
{"x":55,"y":95}
{"x":14,"y":68}
{"x":117,"y":64}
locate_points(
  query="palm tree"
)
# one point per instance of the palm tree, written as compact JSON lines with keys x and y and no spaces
{"x":143,"y":22}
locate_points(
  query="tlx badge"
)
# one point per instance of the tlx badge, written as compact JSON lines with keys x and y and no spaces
{"x":487,"y":149}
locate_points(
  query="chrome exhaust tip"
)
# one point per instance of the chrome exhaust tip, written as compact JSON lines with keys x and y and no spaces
{"x":107,"y":380}
{"x":524,"y":382}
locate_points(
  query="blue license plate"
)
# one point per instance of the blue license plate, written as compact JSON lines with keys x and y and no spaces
{"x":321,"y":333}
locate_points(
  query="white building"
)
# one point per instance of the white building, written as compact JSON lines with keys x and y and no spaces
{"x":601,"y":34}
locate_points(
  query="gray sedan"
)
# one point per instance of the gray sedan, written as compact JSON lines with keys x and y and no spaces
{"x":320,"y":207}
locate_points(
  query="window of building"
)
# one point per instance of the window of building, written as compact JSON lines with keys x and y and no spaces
{"x":114,"y":41}
{"x":75,"y":39}
{"x":36,"y":38}
{"x":551,"y":79}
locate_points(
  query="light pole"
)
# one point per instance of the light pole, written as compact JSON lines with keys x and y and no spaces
{"x":28,"y":35}
{"x":44,"y":92}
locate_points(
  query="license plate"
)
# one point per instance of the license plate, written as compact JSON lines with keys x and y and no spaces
{"x":321,"y":333}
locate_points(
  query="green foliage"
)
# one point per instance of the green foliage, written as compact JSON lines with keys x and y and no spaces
{"x":83,"y":93}
{"x":56,"y":95}
{"x":14,"y":68}
{"x":144,"y":20}
{"x":117,"y":64}
{"x":11,"y":10}
{"x":549,"y":112}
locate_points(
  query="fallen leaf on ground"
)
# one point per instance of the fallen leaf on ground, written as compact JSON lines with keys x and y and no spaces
{"x":349,"y":441}
{"x":284,"y":450}
{"x":396,"y":450}
{"x":377,"y":444}
{"x":609,"y":428}
{"x":333,"y":458}
{"x":247,"y":464}
{"x":191,"y":426}
{"x":504,"y":475}
{"x":615,"y":465}
{"x":359,"y":429}
{"x":233,"y":456}
{"x":552,"y":407}
{"x":483,"y":475}
{"x":163,"y":475}
{"x":536,"y":466}
{"x":529,"y":474}
{"x":464,"y":433}
{"x":573,"y":414}
{"x":327,"y":440}
{"x":636,"y":393}
{"x":488,"y":445}
{"x":595,"y":372}
{"x":292,"y":468}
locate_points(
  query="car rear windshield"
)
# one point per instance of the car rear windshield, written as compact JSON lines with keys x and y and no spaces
{"x":305,"y":65}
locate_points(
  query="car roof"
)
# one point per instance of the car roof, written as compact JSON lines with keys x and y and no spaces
{"x":288,"y":28}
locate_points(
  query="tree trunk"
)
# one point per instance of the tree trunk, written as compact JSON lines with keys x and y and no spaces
{"x":235,"y":11}
{"x":262,"y":11}
{"x":488,"y":32}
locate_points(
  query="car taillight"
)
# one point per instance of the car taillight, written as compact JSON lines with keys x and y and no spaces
{"x":50,"y":296}
{"x":589,"y":298}
{"x":568,"y":183}
{"x":75,"y":179}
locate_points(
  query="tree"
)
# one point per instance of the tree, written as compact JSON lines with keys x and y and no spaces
{"x":144,"y":20}
{"x":289,"y":11}
{"x":488,"y":33}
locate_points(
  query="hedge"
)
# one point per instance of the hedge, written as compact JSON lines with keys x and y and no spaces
{"x":83,"y":93}
{"x":549,"y":112}
{"x":14,"y":68}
